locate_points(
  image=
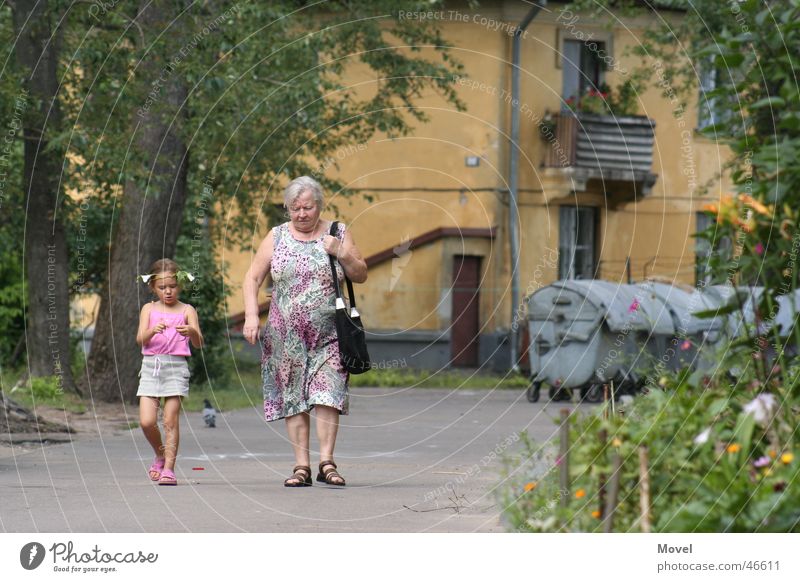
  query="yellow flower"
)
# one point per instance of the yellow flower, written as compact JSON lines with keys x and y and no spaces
{"x":734,"y":448}
{"x":616,"y":443}
{"x":530,"y":486}
{"x":787,"y":458}
{"x":596,"y":514}
{"x":580,"y":493}
{"x":767,"y":472}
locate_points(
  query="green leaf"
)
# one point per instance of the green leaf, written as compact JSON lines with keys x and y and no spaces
{"x":772,"y":102}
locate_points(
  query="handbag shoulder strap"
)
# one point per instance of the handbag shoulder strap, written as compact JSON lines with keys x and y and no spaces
{"x":333,"y":232}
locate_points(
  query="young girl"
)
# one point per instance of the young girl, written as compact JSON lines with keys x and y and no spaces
{"x":166,"y":327}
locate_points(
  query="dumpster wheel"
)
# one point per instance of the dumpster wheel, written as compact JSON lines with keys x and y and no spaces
{"x":592,"y":393}
{"x":559,"y":394}
{"x":533,"y":391}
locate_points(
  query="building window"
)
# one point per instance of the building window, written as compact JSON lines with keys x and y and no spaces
{"x":702,"y":251}
{"x":582,"y":69}
{"x":709,"y":109}
{"x":576,"y":242}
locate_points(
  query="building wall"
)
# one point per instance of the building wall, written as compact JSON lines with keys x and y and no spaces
{"x":420,"y":182}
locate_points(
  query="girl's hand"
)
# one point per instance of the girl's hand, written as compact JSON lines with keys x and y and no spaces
{"x":159,"y":327}
{"x":250,"y":330}
{"x":185,"y":330}
{"x":332,"y":245}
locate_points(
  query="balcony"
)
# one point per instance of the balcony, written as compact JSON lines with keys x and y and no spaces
{"x":610,"y":154}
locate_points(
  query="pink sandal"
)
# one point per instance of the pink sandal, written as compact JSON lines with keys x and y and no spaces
{"x":157,"y":467}
{"x":167,"y":478}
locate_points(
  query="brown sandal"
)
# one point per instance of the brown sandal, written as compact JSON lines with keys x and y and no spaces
{"x":331,"y":476}
{"x":301,"y":477}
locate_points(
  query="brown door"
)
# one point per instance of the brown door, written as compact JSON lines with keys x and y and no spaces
{"x":464,"y":323}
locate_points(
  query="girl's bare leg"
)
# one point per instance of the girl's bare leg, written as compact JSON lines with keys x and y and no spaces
{"x":172,"y":410}
{"x":148,"y":420}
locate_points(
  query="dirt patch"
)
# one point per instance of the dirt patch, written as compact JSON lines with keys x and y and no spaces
{"x":100,"y":418}
{"x":17,"y":419}
{"x":21,"y":429}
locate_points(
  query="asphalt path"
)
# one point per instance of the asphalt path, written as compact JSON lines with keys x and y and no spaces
{"x":415,"y":460}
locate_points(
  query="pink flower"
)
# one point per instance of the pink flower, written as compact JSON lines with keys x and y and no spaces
{"x":686,"y":345}
{"x":633,"y":306}
{"x":759,"y":249}
{"x":762,"y":462}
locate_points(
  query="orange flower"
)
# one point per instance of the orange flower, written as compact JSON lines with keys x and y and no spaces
{"x":710,"y":208}
{"x":786,"y":228}
{"x":748,"y":224}
{"x":530,"y":486}
{"x":755,"y":204}
{"x":787,"y":458}
{"x":772,"y":454}
{"x":596,"y":514}
{"x":734,"y":448}
{"x":580,"y":493}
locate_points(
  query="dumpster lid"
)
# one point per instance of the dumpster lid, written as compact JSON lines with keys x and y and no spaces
{"x":625,"y":307}
{"x":683,"y":303}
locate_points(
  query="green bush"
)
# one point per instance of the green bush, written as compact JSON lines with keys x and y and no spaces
{"x":722,"y":457}
{"x":45,"y":388}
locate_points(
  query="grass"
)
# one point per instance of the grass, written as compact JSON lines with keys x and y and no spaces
{"x":244,"y":390}
{"x":392,"y":378}
{"x":40,"y":392}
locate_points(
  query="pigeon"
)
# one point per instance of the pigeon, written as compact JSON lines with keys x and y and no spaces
{"x":209,"y":414}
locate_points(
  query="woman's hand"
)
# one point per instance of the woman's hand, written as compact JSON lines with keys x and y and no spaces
{"x":348,"y":256}
{"x":332,"y":245}
{"x":250,"y":330}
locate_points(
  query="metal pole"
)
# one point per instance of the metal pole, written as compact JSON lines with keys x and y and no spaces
{"x":513,"y":178}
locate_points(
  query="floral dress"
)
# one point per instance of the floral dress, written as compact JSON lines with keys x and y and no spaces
{"x":300,"y":361}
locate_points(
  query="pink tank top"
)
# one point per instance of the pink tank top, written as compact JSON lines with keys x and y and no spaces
{"x":168,"y":341}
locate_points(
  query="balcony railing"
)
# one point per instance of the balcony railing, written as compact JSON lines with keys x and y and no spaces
{"x":618,"y":151}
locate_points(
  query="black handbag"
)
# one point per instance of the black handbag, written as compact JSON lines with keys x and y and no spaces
{"x":349,"y":329}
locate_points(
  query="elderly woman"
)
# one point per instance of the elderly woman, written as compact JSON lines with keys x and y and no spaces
{"x":300,"y":362}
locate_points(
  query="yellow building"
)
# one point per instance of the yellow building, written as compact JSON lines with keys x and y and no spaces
{"x":611,"y":197}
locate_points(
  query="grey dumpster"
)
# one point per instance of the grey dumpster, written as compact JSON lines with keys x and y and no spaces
{"x":785,"y":315}
{"x":684,"y":347}
{"x":585,"y":332}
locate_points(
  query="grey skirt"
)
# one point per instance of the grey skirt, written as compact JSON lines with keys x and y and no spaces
{"x":164,"y":375}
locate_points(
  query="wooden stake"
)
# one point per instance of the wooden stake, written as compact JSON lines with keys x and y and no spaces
{"x":601,"y":490}
{"x":563,"y":455}
{"x":611,"y":500}
{"x":644,"y":483}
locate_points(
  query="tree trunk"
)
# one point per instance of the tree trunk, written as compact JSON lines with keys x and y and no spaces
{"x":46,"y":252}
{"x":149,"y":221}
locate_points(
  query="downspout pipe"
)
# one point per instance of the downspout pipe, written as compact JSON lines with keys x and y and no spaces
{"x":513,"y":177}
